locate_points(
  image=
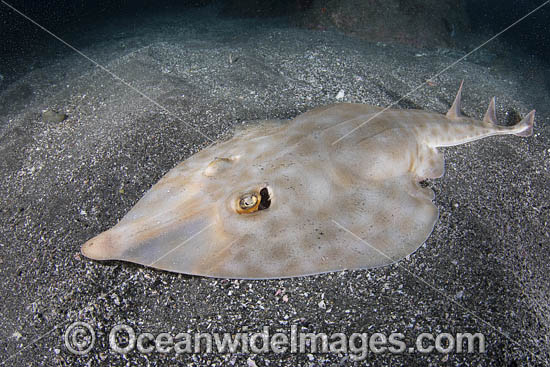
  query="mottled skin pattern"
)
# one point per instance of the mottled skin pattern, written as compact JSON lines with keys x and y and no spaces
{"x":319,"y":187}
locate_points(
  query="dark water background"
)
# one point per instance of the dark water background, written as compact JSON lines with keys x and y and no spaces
{"x":212,"y":65}
{"x":71,"y":19}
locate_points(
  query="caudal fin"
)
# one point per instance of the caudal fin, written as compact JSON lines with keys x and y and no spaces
{"x":525,"y":126}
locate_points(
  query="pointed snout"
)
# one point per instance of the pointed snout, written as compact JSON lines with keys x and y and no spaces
{"x":101,"y":247}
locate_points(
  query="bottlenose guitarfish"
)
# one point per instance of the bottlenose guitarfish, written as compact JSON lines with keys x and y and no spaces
{"x":335,"y":188}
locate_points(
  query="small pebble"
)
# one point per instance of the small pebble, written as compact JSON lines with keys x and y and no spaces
{"x":53,"y":116}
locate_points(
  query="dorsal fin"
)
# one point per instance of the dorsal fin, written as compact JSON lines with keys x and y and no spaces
{"x":526,"y":125}
{"x":491,"y":115}
{"x":454,"y":111}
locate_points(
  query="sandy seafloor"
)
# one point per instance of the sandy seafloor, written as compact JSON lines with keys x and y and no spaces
{"x":484,"y":268}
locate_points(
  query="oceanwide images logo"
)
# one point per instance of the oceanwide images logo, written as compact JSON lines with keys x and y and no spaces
{"x":80,"y":339}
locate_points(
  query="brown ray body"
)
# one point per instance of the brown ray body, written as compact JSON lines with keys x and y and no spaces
{"x":277,"y":199}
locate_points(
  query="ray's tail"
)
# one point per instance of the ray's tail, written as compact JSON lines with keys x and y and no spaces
{"x":461,"y":129}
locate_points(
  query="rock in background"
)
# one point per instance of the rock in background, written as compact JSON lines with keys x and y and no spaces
{"x":420,"y":23}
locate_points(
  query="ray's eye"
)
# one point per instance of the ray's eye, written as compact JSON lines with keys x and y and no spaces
{"x":254,"y":201}
{"x":248,"y":201}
